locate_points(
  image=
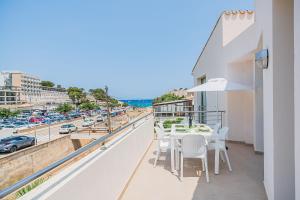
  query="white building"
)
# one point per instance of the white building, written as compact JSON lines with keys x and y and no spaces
{"x":228,"y":54}
{"x":19,"y":87}
{"x":267,"y":116}
{"x":182,"y":92}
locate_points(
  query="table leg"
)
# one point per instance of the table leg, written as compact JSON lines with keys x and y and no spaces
{"x":217,"y":159}
{"x":176,"y":159}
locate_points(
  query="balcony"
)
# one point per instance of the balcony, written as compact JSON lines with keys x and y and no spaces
{"x":244,"y":182}
{"x":123,"y":169}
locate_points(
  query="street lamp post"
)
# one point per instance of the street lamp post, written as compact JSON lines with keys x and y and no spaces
{"x":49,"y":133}
{"x":35,"y":135}
{"x":108,"y":110}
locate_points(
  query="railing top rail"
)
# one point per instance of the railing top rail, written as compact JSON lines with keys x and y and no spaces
{"x":182,"y":111}
{"x":25,"y":181}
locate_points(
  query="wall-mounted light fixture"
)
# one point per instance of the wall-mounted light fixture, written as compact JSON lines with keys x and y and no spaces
{"x":262,"y":59}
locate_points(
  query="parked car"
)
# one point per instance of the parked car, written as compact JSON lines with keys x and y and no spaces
{"x":36,"y":119}
{"x":21,"y":123}
{"x":9,"y":126}
{"x":104,"y":114}
{"x":99,"y":119}
{"x":67,"y":128}
{"x":22,"y":118}
{"x":75,"y":115}
{"x":14,"y":143}
{"x":87,"y":123}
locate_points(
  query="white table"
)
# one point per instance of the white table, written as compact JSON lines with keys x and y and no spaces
{"x":175,"y":134}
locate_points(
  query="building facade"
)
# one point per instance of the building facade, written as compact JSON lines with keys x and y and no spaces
{"x":19,"y":88}
{"x":182,"y":92}
{"x":267,"y":116}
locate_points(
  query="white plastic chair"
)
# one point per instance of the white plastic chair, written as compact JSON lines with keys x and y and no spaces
{"x":163,"y":143}
{"x":161,"y":126}
{"x":216,"y":128}
{"x":219,"y":144}
{"x":194,"y":146}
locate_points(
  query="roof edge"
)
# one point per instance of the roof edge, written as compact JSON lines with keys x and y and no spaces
{"x":211,"y":33}
{"x":226,"y":12}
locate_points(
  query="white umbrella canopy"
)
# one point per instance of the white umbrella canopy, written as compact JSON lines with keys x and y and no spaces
{"x":219,"y":84}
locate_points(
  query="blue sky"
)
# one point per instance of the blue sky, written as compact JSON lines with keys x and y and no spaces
{"x":139,"y":48}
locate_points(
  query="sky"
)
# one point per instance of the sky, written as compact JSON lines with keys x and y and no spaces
{"x":138,"y":48}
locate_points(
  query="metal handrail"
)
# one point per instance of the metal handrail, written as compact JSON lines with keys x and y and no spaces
{"x":25,"y":181}
{"x":206,"y":111}
{"x":209,"y":117}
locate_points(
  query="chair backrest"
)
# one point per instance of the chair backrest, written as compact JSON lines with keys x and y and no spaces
{"x":160,"y":125}
{"x":216,"y":128}
{"x":223,"y":133}
{"x":159,"y":132}
{"x":193,"y":145}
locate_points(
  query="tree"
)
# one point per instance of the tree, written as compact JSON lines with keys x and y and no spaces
{"x":47,"y":84}
{"x":167,"y":97}
{"x":77,"y":95}
{"x":64,"y":108}
{"x":102,"y":95}
{"x":113,"y":102}
{"x":5,"y":113}
{"x":88,"y":106}
{"x":99,"y":94}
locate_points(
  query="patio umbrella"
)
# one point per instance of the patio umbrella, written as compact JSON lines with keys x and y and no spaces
{"x":219,"y":84}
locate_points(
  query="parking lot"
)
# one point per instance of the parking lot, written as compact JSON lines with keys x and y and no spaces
{"x":47,"y":132}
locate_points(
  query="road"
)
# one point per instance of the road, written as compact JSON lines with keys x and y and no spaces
{"x":42,"y":134}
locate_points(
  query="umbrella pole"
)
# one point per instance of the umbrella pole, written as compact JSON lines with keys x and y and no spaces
{"x":218,"y":107}
{"x":217,"y":102}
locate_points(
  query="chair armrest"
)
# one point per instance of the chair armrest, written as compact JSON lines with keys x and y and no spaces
{"x":177,"y":143}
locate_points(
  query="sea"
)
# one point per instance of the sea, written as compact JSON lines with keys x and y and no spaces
{"x":140,"y":103}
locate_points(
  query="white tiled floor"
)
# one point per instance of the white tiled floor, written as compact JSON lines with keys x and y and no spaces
{"x":244,"y":183}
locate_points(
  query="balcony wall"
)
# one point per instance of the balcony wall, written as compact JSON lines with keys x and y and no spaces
{"x":103,"y":174}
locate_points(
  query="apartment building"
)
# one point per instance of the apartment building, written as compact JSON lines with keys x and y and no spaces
{"x":8,"y":93}
{"x":18,"y":87}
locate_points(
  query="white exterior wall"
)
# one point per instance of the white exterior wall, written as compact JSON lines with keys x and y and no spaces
{"x":283,"y":80}
{"x":264,"y":22}
{"x":259,"y":110}
{"x":4,"y":77}
{"x":233,"y":30}
{"x":210,"y":65}
{"x":274,"y":31}
{"x":274,"y":20}
{"x":297,"y":96}
{"x":223,"y":57}
{"x":240,"y":105}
